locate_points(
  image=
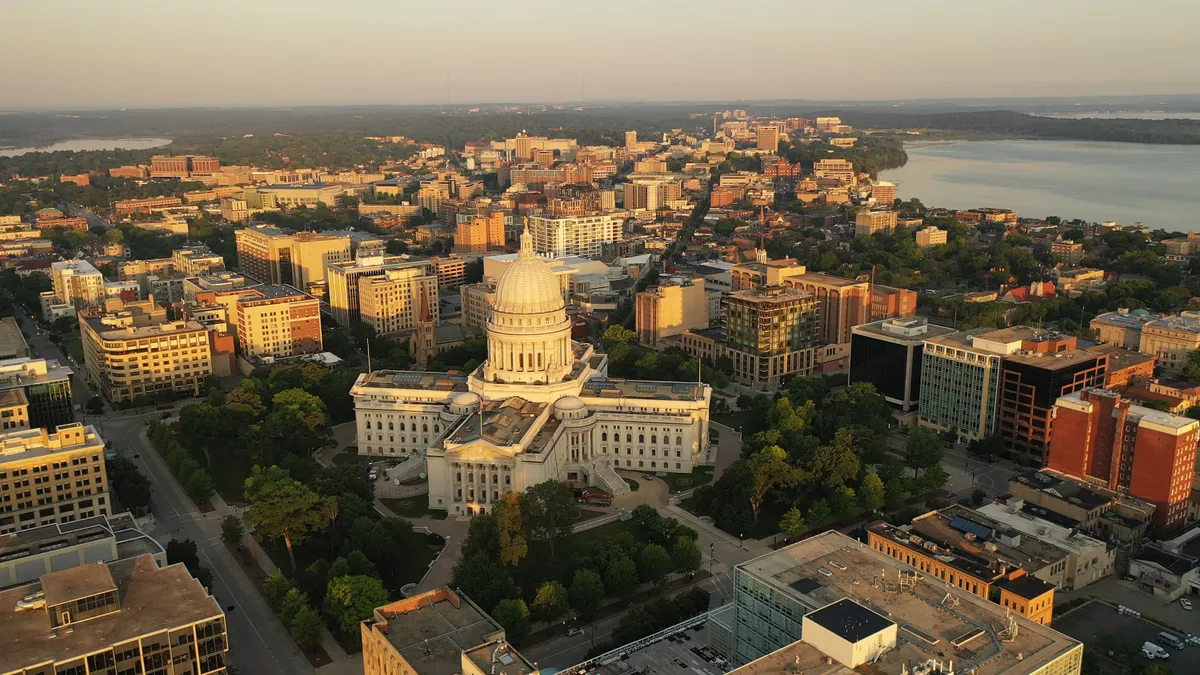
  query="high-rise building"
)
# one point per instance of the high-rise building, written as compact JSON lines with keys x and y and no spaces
{"x":960,"y":382}
{"x":867,"y":223}
{"x":630,"y":140}
{"x":343,"y":279}
{"x":477,"y":300}
{"x":1148,"y":454}
{"x":672,"y":306}
{"x":1031,"y":380}
{"x":127,"y":616}
{"x":830,"y":605}
{"x":770,"y":334}
{"x":766,"y":138}
{"x":44,"y":385}
{"x":391,"y":303}
{"x":651,"y":192}
{"x":558,"y":236}
{"x":931,"y":236}
{"x":842,"y":303}
{"x":884,"y":193}
{"x":51,"y":476}
{"x":888,"y":354}
{"x":451,"y":270}
{"x":135,"y":352}
{"x":278,"y":321}
{"x":77,"y":282}
{"x":480,"y":234}
{"x":297,"y":259}
{"x":436,"y":633}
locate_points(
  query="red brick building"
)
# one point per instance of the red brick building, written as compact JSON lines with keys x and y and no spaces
{"x":1148,"y":454}
{"x":892,"y":303}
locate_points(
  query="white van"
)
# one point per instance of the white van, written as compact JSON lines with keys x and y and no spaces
{"x":1170,"y":639}
{"x":1153,"y":651}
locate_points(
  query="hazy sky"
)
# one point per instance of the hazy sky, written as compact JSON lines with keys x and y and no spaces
{"x":164,"y":53}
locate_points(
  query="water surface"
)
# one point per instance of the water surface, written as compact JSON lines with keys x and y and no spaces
{"x":81,"y":144}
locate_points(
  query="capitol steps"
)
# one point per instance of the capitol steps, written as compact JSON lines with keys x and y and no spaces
{"x":606,"y":477}
{"x":407,"y":469}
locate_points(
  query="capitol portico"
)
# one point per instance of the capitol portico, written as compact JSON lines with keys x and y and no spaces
{"x":541,"y":407}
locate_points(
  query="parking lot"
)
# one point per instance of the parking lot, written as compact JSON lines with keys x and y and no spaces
{"x":664,"y":657}
{"x":1088,"y":622}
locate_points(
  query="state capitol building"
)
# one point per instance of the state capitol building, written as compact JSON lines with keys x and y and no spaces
{"x":542,"y":407}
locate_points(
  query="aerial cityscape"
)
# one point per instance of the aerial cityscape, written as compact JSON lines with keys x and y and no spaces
{"x":745,"y":365}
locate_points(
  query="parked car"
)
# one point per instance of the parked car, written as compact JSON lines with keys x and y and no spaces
{"x":648,"y":476}
{"x":574,"y":631}
{"x":1186,"y":604}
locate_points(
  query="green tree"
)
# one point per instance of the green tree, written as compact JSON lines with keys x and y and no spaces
{"x":924,"y":449}
{"x":551,"y":603}
{"x":547,"y":510}
{"x":586,"y":593}
{"x":200,"y":486}
{"x":617,"y":335}
{"x":306,"y":628}
{"x":792,"y":523}
{"x":837,"y":463}
{"x":232,"y":530}
{"x":513,"y":545}
{"x":621,"y":576}
{"x":819,"y":514}
{"x":292,"y":603}
{"x":513,"y":615}
{"x":482,"y":578}
{"x":934,"y":478}
{"x":351,"y":599}
{"x":769,"y":469}
{"x":1191,"y":368}
{"x":872,"y":494}
{"x":284,"y":508}
{"x":654,"y":564}
{"x":686,"y":557}
{"x":275,"y":588}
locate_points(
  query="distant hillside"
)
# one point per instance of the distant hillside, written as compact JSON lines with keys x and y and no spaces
{"x":1177,"y":131}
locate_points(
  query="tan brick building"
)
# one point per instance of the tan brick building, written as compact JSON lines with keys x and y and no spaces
{"x":278,"y":321}
{"x":51,"y":477}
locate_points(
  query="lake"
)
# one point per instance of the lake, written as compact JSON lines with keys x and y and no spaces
{"x":81,"y":144}
{"x":1127,"y":182}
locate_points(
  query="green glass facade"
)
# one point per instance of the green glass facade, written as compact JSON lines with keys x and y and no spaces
{"x":959,"y":388}
{"x":50,"y":403}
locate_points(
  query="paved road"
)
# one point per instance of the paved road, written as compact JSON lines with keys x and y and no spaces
{"x":258,"y":643}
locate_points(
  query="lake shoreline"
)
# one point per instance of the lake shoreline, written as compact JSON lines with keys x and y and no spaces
{"x":88,"y":145}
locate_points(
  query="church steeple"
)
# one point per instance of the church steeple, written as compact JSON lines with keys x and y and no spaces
{"x":527,"y":246}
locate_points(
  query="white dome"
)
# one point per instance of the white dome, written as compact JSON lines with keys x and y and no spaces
{"x":528,"y":285}
{"x":569,"y":403}
{"x":465,"y":399}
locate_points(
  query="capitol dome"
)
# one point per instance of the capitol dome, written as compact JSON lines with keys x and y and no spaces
{"x":528,"y":285}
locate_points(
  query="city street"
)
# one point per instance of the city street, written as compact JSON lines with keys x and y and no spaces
{"x":258,"y":643}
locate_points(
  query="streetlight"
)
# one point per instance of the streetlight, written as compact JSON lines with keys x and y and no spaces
{"x":712,"y":554}
{"x":741,"y":542}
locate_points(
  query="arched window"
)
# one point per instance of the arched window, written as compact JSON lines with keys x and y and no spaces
{"x":436,"y":428}
{"x":496,"y":478}
{"x":458,"y":476}
{"x":641,"y":438}
{"x":653,"y":439}
{"x":391,"y":427}
{"x":402,"y":426}
{"x":604,"y":436}
{"x":379,"y":425}
{"x":679,"y":440}
{"x":471,"y":477}
{"x":628,"y":438}
{"x":425,"y":428}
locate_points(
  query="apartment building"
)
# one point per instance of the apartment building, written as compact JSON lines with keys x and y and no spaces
{"x":888,"y":354}
{"x":965,"y":549}
{"x":867,"y":223}
{"x":672,"y":306}
{"x":763,"y":272}
{"x":829,"y":605}
{"x":1068,"y":252}
{"x":134,"y":351}
{"x":1047,"y":367}
{"x":477,"y":301}
{"x":481,"y":233}
{"x":391,"y":303}
{"x":841,"y":169}
{"x":770,"y":334}
{"x":451,"y":270}
{"x":436,"y":633}
{"x":892,"y":303}
{"x":766,"y":138}
{"x":127,"y":616}
{"x":931,"y":236}
{"x":51,"y":476}
{"x":883,"y":192}
{"x":343,"y":279}
{"x":558,"y":236}
{"x":960,"y":384}
{"x":77,"y":283}
{"x":841,"y":303}
{"x":43,"y":385}
{"x":278,"y":321}
{"x":1148,"y":454}
{"x":297,"y":259}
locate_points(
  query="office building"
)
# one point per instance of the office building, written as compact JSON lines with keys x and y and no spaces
{"x":540,"y":408}
{"x":77,"y":283}
{"x":558,"y":236}
{"x":1122,"y":328}
{"x":1047,"y":367}
{"x":1088,"y":559}
{"x":766,"y":138}
{"x":28,"y":554}
{"x":343,"y":279}
{"x":867,"y":223}
{"x":134,"y":352}
{"x":960,"y":384}
{"x":477,"y":300}
{"x":1085,"y":505}
{"x":481,"y":233}
{"x":51,"y":476}
{"x":966,"y":549}
{"x":841,"y":303}
{"x":12,"y":341}
{"x":127,"y":616}
{"x":892,"y":303}
{"x":830,"y":605}
{"x":828,"y":125}
{"x":1171,"y":339}
{"x":841,"y":169}
{"x":297,"y":259}
{"x":45,"y":387}
{"x":931,"y":236}
{"x":183,"y":166}
{"x":439,"y":632}
{"x":672,"y":306}
{"x":291,"y":196}
{"x":763,"y":272}
{"x":278,"y":321}
{"x":884,"y":193}
{"x":651,"y":192}
{"x":148,"y":205}
{"x":391,"y":303}
{"x":770,"y":334}
{"x":1148,"y":454}
{"x":888,"y":354}
{"x":451,"y":270}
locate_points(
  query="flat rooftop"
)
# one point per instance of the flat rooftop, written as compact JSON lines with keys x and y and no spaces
{"x":820,"y":279}
{"x":1054,"y":360}
{"x":644,"y":389}
{"x":1135,"y":319}
{"x":880,"y":329}
{"x":432,"y":636}
{"x":275,"y":292}
{"x":410,"y":379}
{"x":144,"y":331}
{"x":771,"y":294}
{"x":505,"y":422}
{"x":12,"y":342}
{"x":831,"y":566}
{"x":151,"y":599}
